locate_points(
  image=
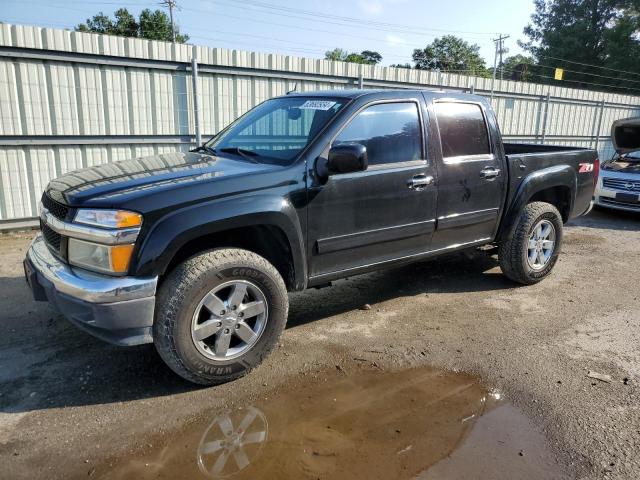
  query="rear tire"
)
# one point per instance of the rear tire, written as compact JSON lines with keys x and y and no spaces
{"x":532,"y":251}
{"x":219,"y":314}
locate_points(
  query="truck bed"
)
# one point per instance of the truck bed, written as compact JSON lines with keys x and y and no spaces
{"x":523,"y":159}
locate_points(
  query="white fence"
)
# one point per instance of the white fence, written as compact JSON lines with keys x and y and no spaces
{"x":70,"y":100}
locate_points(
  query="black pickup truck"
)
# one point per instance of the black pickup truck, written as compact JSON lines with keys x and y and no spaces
{"x":196,"y":251}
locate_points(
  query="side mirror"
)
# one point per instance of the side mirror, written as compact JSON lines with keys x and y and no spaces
{"x":347,"y":158}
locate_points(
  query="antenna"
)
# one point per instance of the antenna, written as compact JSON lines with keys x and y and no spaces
{"x":295,"y":88}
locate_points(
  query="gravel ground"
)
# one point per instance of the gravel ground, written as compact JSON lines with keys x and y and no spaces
{"x":68,"y":401}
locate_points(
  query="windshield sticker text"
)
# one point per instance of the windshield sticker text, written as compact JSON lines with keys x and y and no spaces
{"x":317,"y":105}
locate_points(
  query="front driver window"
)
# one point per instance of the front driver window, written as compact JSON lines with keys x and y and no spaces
{"x":390,"y":131}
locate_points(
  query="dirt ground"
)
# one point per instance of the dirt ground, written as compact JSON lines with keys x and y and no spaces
{"x":70,"y":403}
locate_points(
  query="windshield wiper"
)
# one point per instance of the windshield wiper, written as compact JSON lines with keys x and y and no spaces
{"x":248,"y":154}
{"x":204,"y":148}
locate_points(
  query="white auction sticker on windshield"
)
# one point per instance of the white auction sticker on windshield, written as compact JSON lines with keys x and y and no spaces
{"x":317,"y":105}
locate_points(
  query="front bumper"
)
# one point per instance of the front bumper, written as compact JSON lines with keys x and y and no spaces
{"x":610,"y":197}
{"x":118,"y":310}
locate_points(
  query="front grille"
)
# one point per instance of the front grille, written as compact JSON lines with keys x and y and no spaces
{"x":53,"y":239}
{"x":613,"y":201}
{"x":56,"y":209}
{"x":622,"y":184}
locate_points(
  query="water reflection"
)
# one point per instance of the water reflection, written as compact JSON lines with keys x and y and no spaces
{"x":363,"y":424}
{"x":231,"y":442}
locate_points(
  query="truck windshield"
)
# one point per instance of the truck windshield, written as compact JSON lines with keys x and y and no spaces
{"x":277,"y":130}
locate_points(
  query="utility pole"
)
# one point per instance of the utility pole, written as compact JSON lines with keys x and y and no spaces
{"x":171,"y":4}
{"x":499,"y":51}
{"x":502,"y":50}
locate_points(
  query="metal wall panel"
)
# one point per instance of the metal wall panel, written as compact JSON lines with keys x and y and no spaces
{"x":72,"y":100}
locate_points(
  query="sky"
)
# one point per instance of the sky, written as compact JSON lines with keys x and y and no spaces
{"x":309,"y":28}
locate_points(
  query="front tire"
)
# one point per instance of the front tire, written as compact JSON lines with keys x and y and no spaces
{"x":532,"y":251}
{"x":219,"y":314}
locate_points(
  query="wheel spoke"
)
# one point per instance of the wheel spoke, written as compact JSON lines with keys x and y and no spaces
{"x":545,"y":231}
{"x":206,"y":329}
{"x":247,"y":420}
{"x":548,"y":244}
{"x":211,"y":447}
{"x":221,"y":462}
{"x":255,"y":437}
{"x":533,"y":253}
{"x":214,"y":304}
{"x":540,"y":259}
{"x":237,"y":294}
{"x":252,"y":309}
{"x":532,"y":244}
{"x":226,"y":425}
{"x":245,"y":333}
{"x":241,"y":458}
{"x":221,"y":345}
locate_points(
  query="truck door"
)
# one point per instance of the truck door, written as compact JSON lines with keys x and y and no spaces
{"x":380,"y":214}
{"x":471,"y":180}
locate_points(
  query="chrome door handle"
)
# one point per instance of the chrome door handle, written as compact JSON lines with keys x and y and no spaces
{"x":489,"y":172}
{"x":419,"y":182}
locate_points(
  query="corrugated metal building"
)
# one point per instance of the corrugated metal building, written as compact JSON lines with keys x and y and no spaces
{"x":70,"y":100}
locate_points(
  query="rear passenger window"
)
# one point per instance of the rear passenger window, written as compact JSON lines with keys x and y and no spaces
{"x":463,"y":131}
{"x":390,"y":131}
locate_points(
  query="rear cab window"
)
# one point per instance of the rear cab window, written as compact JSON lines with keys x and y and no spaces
{"x":463,"y":130}
{"x":390,"y":131}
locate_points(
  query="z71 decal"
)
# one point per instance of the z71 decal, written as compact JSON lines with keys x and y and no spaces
{"x":586,"y":168}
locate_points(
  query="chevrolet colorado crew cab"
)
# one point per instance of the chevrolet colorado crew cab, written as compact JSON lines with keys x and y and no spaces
{"x":195,"y":251}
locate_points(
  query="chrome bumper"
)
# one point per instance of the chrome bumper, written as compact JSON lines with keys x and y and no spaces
{"x":117,"y":309}
{"x":84,"y":285}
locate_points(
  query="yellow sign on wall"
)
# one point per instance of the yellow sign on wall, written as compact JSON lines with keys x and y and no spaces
{"x":559,"y":73}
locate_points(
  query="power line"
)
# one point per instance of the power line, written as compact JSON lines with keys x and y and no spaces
{"x":587,"y":73}
{"x":316,"y":14}
{"x":589,"y":65}
{"x":319,"y":17}
{"x":580,"y":82}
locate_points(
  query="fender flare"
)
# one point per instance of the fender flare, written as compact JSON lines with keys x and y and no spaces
{"x":173,"y":231}
{"x":536,"y":182}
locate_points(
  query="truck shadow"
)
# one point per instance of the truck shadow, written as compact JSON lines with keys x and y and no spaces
{"x":45,"y":362}
{"x":48,"y":363}
{"x":471,"y":271}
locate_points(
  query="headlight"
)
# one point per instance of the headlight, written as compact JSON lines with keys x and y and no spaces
{"x":102,"y":258}
{"x":108,"y":218}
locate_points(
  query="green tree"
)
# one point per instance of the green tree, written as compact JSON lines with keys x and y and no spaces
{"x":518,"y":67}
{"x":337,"y":55}
{"x":367,"y":57}
{"x":370,"y":57}
{"x":152,"y":25}
{"x":451,"y":53}
{"x":402,"y":65}
{"x":600,"y":33}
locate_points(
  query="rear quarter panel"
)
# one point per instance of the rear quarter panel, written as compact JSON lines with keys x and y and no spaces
{"x":522,"y":166}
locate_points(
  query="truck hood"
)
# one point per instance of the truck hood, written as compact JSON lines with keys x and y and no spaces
{"x":112,"y":184}
{"x":625,"y":135}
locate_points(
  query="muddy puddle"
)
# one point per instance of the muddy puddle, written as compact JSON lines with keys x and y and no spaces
{"x":359,"y":424}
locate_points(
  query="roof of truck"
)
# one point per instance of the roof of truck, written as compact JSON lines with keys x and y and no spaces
{"x":355,"y":92}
